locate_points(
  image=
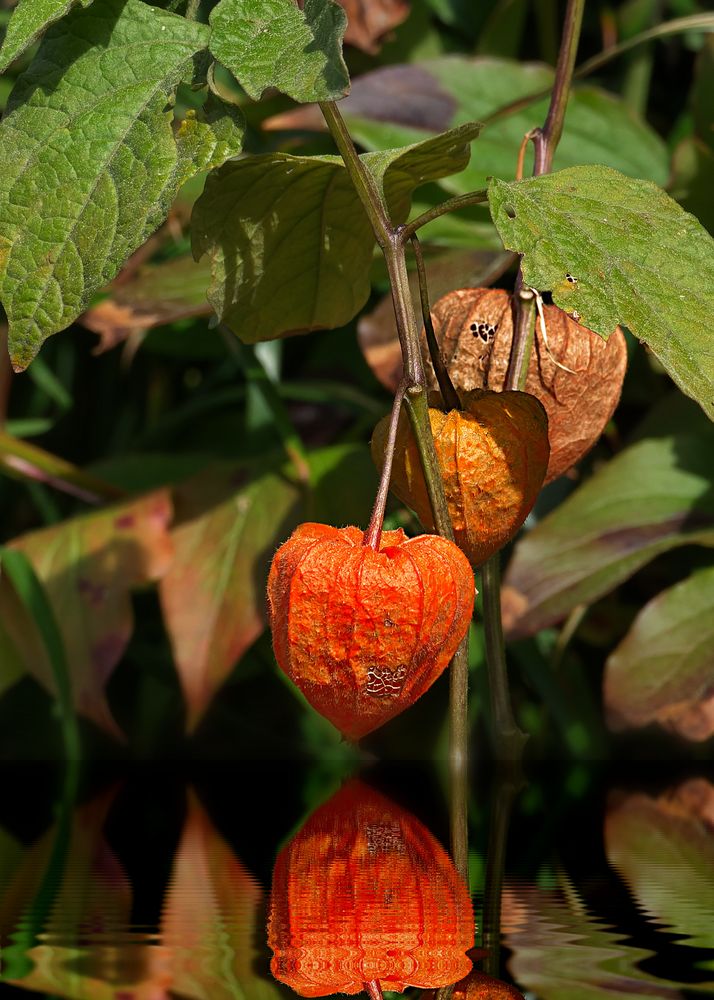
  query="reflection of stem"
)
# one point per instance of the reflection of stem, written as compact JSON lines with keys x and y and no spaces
{"x":16,"y":961}
{"x":506,"y":738}
{"x":374,"y":990}
{"x":505,"y":788}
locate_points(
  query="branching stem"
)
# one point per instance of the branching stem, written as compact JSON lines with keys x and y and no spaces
{"x":450,"y":205}
{"x":392,"y":240}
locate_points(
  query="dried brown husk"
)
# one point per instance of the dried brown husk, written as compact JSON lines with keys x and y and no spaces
{"x":474,"y":327}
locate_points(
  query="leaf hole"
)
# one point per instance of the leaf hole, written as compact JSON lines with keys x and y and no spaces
{"x":510,"y":211}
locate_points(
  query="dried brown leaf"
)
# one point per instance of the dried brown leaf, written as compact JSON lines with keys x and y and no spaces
{"x":377,"y":330}
{"x":474,"y":327}
{"x":369,"y":20}
{"x":154,"y":295}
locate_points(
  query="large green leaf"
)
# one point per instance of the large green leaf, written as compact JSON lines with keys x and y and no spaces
{"x":616,"y":250}
{"x":652,"y":497}
{"x":272,"y":43}
{"x":29,"y":19}
{"x":289,"y":240}
{"x":91,"y":162}
{"x":395,"y":105}
{"x":663,"y":670}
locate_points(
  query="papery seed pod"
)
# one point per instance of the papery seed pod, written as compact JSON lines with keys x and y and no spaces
{"x":363,"y":633}
{"x":364,"y":893}
{"x":492,"y":454}
{"x":479,"y":986}
{"x":474,"y":327}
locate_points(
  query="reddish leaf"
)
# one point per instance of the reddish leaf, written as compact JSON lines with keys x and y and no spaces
{"x":663,"y":670}
{"x":89,"y":564}
{"x":155,"y":295}
{"x":369,"y":20}
{"x":475,"y":330}
{"x":92,"y":898}
{"x":213,"y":596}
{"x":213,"y":918}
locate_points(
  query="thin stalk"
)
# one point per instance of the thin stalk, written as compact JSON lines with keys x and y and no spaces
{"x":418,"y":410}
{"x":374,"y":990}
{"x":507,"y":739}
{"x":373,"y":534}
{"x":450,"y":205}
{"x":257,"y":376}
{"x":548,"y":138}
{"x":446,"y":386}
{"x":27,"y":461}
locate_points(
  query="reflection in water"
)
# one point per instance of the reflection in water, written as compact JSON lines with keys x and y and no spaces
{"x":664,"y":850}
{"x":364,"y":894}
{"x":362,"y":890}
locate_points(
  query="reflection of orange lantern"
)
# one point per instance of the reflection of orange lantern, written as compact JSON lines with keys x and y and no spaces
{"x":364,"y":898}
{"x":479,"y":986}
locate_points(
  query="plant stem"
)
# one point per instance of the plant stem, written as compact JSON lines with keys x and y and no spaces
{"x":506,"y":738}
{"x":392,"y":241}
{"x":450,"y":205}
{"x":373,"y":534}
{"x":374,"y":990}
{"x":446,"y":386}
{"x":547,"y":138}
{"x":30,"y":462}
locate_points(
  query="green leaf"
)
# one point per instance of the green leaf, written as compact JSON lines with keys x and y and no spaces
{"x":29,"y":19}
{"x":290,"y":243}
{"x":652,"y":497}
{"x":637,"y":258}
{"x":395,"y":105}
{"x":272,"y":43}
{"x":92,"y":162}
{"x":662,"y":670}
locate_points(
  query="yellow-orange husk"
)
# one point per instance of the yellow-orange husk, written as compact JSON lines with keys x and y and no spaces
{"x":493,"y":456}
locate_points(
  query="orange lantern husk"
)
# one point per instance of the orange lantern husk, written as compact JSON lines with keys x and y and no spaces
{"x":493,"y":457}
{"x":365,"y":894}
{"x":364,"y":632}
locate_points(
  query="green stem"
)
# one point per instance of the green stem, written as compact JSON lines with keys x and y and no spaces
{"x":507,"y":739}
{"x":392,"y":241}
{"x":373,"y":534}
{"x":446,"y":386}
{"x":257,"y":376}
{"x":547,"y":138}
{"x":27,"y":461}
{"x":450,"y":205}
